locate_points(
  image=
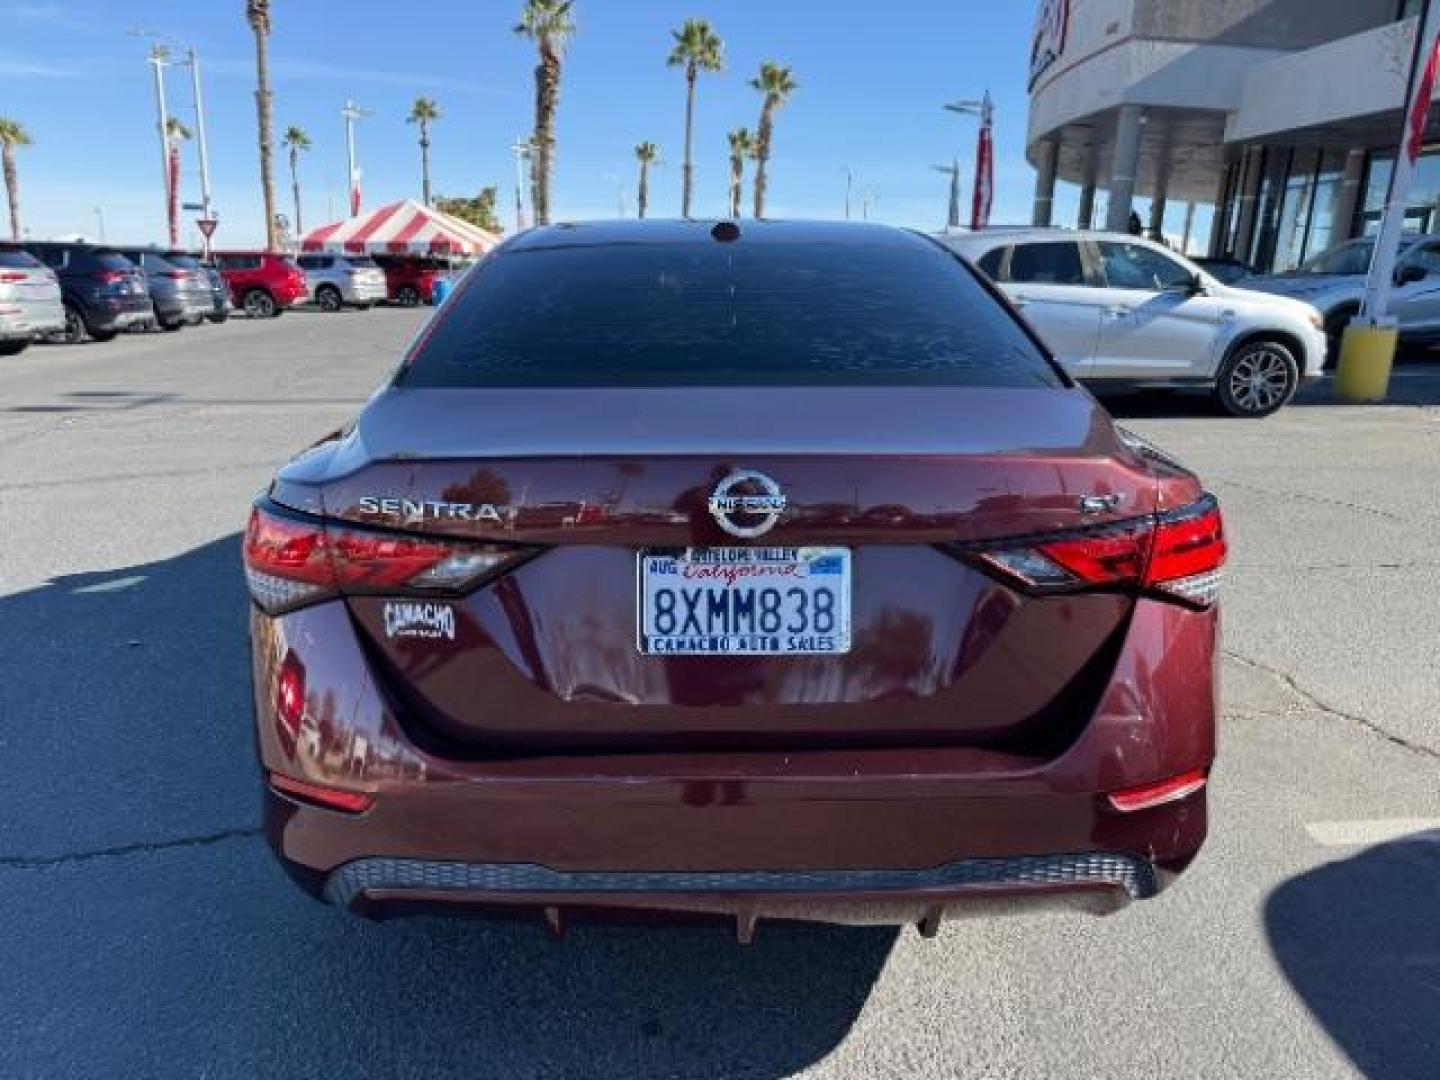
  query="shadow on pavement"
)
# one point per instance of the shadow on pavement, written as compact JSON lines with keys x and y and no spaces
{"x":148,"y":931}
{"x":1359,"y":941}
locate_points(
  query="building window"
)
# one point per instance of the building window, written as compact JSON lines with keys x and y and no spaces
{"x":1295,"y":207}
{"x":1267,"y":217}
{"x":1225,"y":209}
{"x":1241,"y":222}
{"x":1422,"y":210}
{"x":1320,"y":234}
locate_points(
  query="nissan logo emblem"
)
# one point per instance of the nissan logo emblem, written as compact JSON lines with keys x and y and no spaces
{"x":747,"y":504}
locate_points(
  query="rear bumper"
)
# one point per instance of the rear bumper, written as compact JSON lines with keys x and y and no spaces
{"x":184,"y":307}
{"x":117,"y":313}
{"x":33,"y":320}
{"x":878,"y":835}
{"x":364,"y":293}
{"x":1090,"y":883}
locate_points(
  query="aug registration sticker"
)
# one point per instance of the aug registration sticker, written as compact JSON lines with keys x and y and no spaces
{"x":745,"y":601}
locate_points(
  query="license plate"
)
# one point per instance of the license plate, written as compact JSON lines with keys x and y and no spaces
{"x":745,"y":601}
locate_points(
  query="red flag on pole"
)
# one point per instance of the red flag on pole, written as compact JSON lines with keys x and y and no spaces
{"x":1420,"y":109}
{"x":984,"y":169}
{"x":355,"y":194}
{"x":173,"y":195}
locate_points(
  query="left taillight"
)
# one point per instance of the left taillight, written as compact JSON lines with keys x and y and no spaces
{"x":292,"y":561}
{"x":1178,"y":554}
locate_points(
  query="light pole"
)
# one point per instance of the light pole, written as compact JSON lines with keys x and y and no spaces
{"x":984,"y":108}
{"x":952,"y":218}
{"x":619,"y":192}
{"x":522,"y":149}
{"x":849,"y":185}
{"x":100,"y":221}
{"x":158,"y":58}
{"x":193,"y":59}
{"x":352,"y":112}
{"x":868,"y":198}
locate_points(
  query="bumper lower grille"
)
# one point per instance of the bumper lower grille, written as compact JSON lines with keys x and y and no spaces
{"x":350,"y":881}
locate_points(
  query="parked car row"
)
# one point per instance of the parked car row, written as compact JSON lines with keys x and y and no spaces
{"x":72,"y":290}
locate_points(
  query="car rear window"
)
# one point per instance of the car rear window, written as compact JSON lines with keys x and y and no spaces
{"x":893,"y":313}
{"x":180,"y":259}
{"x":17,"y":260}
{"x":108,"y":260}
{"x":361,"y":260}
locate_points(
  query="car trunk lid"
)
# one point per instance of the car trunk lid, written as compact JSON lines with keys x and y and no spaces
{"x":545,"y":657}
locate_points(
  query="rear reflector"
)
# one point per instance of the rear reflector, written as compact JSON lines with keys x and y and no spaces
{"x":290,"y":700}
{"x":1165,"y":791}
{"x":1179,"y":553}
{"x":292,"y":561}
{"x":351,"y":802}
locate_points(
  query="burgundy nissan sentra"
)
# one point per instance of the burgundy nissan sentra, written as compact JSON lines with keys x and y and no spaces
{"x":742,"y":570}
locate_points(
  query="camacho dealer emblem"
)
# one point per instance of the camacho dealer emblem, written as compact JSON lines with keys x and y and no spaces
{"x":747,"y":504}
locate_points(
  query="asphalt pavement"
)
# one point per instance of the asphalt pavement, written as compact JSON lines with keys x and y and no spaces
{"x":146,"y":932}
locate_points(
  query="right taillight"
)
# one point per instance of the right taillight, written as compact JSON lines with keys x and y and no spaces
{"x":291,"y":561}
{"x":1188,"y":552}
{"x":1178,"y":553}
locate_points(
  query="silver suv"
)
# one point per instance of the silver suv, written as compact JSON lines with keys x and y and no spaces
{"x":30,"y":304}
{"x":1334,"y":282}
{"x":1116,"y":309}
{"x":180,"y":294}
{"x":337,"y":280}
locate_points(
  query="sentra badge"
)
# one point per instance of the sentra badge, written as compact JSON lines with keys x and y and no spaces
{"x":417,"y":510}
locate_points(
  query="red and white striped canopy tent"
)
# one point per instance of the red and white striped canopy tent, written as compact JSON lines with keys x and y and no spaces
{"x":402,"y":228}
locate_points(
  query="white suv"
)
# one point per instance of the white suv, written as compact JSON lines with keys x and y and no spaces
{"x":337,"y":280}
{"x":1117,"y":309}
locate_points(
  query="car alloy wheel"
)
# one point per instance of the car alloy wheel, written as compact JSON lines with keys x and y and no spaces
{"x":329,"y":299}
{"x":259,"y":304}
{"x":409,"y":296}
{"x":1258,"y":379}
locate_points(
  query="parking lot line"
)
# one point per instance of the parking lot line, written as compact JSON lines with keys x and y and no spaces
{"x":1374,"y":831}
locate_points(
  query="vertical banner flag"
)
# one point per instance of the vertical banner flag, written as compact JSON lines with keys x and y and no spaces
{"x":355,"y":193}
{"x":173,"y":195}
{"x":984,"y":169}
{"x":1420,"y":108}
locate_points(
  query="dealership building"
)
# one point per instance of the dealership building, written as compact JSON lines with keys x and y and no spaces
{"x":1281,"y":114}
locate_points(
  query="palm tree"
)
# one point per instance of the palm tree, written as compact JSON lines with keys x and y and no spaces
{"x":742,"y":147}
{"x":697,"y":48}
{"x":12,"y":134}
{"x":549,"y":25}
{"x":647,"y":153}
{"x":257,"y":13}
{"x":777,"y":84}
{"x":296,"y":141}
{"x":423,"y":112}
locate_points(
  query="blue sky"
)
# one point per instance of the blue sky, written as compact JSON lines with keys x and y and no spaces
{"x":872,"y":82}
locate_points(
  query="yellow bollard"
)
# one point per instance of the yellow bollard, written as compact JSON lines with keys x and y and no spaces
{"x":1366,"y":355}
